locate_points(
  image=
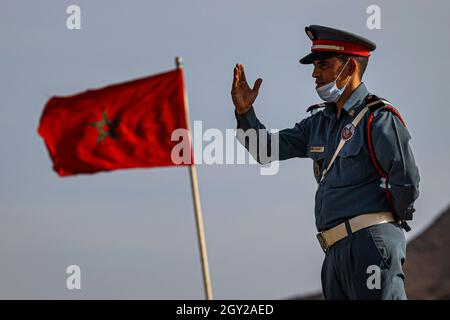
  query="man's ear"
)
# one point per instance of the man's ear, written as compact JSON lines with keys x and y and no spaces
{"x":353,"y":67}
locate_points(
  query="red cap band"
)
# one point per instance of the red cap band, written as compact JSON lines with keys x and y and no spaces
{"x":340,"y":47}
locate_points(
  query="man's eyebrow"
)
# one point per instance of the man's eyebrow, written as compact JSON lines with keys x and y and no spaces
{"x":320,"y":62}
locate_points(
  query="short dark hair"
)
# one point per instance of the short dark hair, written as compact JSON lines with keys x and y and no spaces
{"x":362,"y":62}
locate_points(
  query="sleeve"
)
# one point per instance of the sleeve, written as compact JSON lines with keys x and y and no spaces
{"x":265,"y":146}
{"x":393,"y":152}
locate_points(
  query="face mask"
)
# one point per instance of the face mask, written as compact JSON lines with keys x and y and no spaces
{"x":330,"y":92}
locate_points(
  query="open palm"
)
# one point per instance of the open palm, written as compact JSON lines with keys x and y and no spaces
{"x":242,"y":95}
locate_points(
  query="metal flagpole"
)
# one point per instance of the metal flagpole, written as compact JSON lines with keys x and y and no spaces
{"x":196,"y":199}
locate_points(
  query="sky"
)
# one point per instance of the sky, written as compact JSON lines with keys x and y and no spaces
{"x":132,"y":232}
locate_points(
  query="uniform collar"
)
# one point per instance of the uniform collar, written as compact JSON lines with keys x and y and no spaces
{"x":355,"y":99}
{"x":351,"y":105}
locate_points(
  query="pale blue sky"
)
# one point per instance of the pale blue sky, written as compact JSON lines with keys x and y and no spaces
{"x":132,"y":232}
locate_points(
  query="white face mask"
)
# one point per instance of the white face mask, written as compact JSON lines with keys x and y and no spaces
{"x":330,"y":92}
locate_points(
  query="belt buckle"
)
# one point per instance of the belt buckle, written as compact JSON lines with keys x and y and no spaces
{"x":323,"y":242}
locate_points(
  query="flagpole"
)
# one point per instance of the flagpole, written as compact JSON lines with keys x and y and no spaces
{"x":197,"y":205}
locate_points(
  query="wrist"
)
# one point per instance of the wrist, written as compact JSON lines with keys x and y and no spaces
{"x":243,"y":111}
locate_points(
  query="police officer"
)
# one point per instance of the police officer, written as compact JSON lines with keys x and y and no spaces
{"x":363,"y":164}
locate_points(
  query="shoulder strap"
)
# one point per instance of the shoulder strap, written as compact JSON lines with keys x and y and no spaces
{"x":314,"y":107}
{"x":374,"y":103}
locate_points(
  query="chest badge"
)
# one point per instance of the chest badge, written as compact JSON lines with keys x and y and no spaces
{"x":348,"y":132}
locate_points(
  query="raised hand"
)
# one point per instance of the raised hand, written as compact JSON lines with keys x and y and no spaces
{"x":242,"y":95}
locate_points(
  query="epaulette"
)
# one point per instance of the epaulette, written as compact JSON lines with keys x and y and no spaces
{"x":374,"y":102}
{"x":315,"y":107}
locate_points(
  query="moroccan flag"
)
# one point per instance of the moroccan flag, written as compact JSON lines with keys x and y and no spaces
{"x":127,"y":125}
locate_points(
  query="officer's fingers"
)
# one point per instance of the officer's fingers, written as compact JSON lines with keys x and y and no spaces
{"x":243,"y":73}
{"x":257,"y":85}
{"x":239,"y":72}
{"x":234,"y":85}
{"x":235,"y":81}
{"x":235,"y":78}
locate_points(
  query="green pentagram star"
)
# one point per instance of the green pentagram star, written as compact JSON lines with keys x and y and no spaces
{"x":105,"y":127}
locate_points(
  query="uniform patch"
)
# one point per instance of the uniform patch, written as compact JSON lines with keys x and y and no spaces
{"x":348,"y":132}
{"x":316,"y":149}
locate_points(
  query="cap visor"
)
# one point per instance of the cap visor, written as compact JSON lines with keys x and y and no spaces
{"x":308,"y":59}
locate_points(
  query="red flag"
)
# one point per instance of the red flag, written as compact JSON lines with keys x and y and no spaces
{"x":127,"y":125}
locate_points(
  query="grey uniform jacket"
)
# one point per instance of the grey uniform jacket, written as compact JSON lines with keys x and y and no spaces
{"x":352,"y":186}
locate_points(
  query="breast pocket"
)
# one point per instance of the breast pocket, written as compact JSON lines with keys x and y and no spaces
{"x":317,"y":154}
{"x":351,"y":165}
